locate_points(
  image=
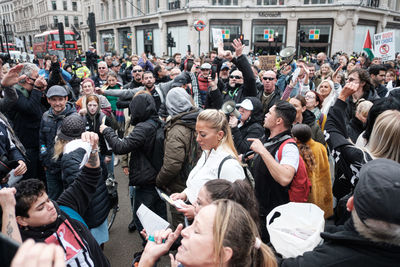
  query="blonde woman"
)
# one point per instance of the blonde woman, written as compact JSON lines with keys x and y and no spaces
{"x":223,"y":234}
{"x":326,"y":89}
{"x":215,"y":139}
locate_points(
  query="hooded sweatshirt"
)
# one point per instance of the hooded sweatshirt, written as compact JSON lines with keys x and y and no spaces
{"x":139,"y":142}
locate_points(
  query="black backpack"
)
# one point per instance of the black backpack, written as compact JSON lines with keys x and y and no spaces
{"x":157,"y":156}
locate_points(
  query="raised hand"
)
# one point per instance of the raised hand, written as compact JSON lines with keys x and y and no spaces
{"x":238,"y":46}
{"x":12,"y":77}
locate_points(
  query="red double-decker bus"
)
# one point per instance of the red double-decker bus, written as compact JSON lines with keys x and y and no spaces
{"x":49,"y":43}
{"x":11,"y":47}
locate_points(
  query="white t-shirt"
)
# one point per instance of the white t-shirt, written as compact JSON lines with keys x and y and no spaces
{"x":206,"y":169}
{"x":290,"y":155}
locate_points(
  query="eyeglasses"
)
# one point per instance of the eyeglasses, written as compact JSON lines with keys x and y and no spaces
{"x":204,"y":69}
{"x":235,"y":77}
{"x":268,"y":78}
{"x":102,"y":68}
{"x":134,"y":71}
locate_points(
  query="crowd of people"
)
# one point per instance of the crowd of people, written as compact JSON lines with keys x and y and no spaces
{"x":227,"y":140}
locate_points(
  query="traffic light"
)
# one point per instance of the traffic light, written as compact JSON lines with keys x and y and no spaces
{"x":170,"y":40}
{"x":92,"y":27}
{"x":302,"y":36}
{"x":61,"y":32}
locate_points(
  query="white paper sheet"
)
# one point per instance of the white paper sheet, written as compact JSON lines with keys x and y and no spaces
{"x":151,"y":221}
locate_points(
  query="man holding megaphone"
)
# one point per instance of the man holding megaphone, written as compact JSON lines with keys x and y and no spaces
{"x":245,"y":122}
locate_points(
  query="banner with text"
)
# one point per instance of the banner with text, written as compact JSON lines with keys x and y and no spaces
{"x":384,"y":46}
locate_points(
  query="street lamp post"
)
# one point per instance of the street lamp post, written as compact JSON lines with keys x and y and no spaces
{"x":276,"y":42}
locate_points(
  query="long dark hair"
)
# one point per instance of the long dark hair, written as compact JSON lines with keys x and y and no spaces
{"x":302,"y":132}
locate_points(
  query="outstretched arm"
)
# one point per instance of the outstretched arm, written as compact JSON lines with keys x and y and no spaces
{"x":7,"y":203}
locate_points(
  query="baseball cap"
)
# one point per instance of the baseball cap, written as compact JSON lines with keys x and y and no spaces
{"x":246,"y":104}
{"x":56,"y":90}
{"x":179,"y":81}
{"x":224,"y":66}
{"x":205,"y":66}
{"x":377,"y":193}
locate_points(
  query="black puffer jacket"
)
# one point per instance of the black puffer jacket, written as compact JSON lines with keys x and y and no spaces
{"x":252,"y":128}
{"x":140,"y":141}
{"x":99,"y":204}
{"x":48,"y":131}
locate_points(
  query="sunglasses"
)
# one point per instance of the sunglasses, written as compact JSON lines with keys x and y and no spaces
{"x":204,"y":69}
{"x":102,"y":68}
{"x":134,"y":71}
{"x":34,"y":80}
{"x":235,"y":77}
{"x":268,"y":78}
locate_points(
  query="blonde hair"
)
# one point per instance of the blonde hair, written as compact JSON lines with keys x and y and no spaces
{"x":363,"y":107}
{"x":234,"y":228}
{"x":59,"y":147}
{"x":385,"y":136}
{"x":216,"y":120}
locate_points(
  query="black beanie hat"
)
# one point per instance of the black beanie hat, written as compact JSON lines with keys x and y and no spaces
{"x":71,"y":128}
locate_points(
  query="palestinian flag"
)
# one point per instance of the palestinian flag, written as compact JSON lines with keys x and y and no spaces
{"x":368,"y":46}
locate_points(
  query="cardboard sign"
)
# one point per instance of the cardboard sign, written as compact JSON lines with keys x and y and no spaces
{"x":217,"y":36}
{"x":384,"y":45}
{"x":267,"y":62}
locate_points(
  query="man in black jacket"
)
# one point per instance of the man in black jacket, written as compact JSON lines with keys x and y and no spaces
{"x":242,"y":82}
{"x":140,"y":143}
{"x":270,"y":93}
{"x":371,"y":236}
{"x":249,"y":125}
{"x":26,"y":114}
{"x":31,"y":214}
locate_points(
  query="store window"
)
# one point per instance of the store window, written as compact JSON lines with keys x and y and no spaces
{"x":314,"y":37}
{"x":359,"y":36}
{"x":125,"y":44}
{"x":317,"y":2}
{"x":107,"y":41}
{"x":225,"y":2}
{"x":269,"y":37}
{"x":231,"y":29}
{"x":271,"y":2}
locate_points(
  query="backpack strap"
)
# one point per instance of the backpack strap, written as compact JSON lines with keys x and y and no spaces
{"x":222,"y":163}
{"x":290,"y":140}
{"x":73,"y":214}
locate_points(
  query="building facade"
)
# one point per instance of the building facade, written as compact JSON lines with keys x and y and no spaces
{"x":36,"y":16}
{"x":7,"y":19}
{"x":137,"y":26}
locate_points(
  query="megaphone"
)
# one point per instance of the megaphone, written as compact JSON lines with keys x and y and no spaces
{"x":287,"y":54}
{"x":229,"y":107}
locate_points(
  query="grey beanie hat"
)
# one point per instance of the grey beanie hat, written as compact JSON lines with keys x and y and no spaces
{"x":178,"y":101}
{"x":71,"y":128}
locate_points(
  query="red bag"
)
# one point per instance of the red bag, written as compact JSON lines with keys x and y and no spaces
{"x":301,"y":184}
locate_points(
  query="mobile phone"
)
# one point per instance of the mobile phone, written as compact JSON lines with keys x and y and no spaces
{"x":212,"y":74}
{"x":189,"y":49}
{"x":8,"y":249}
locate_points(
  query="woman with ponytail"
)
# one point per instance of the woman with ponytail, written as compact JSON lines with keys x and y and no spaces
{"x":316,"y":159}
{"x":222,"y":235}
